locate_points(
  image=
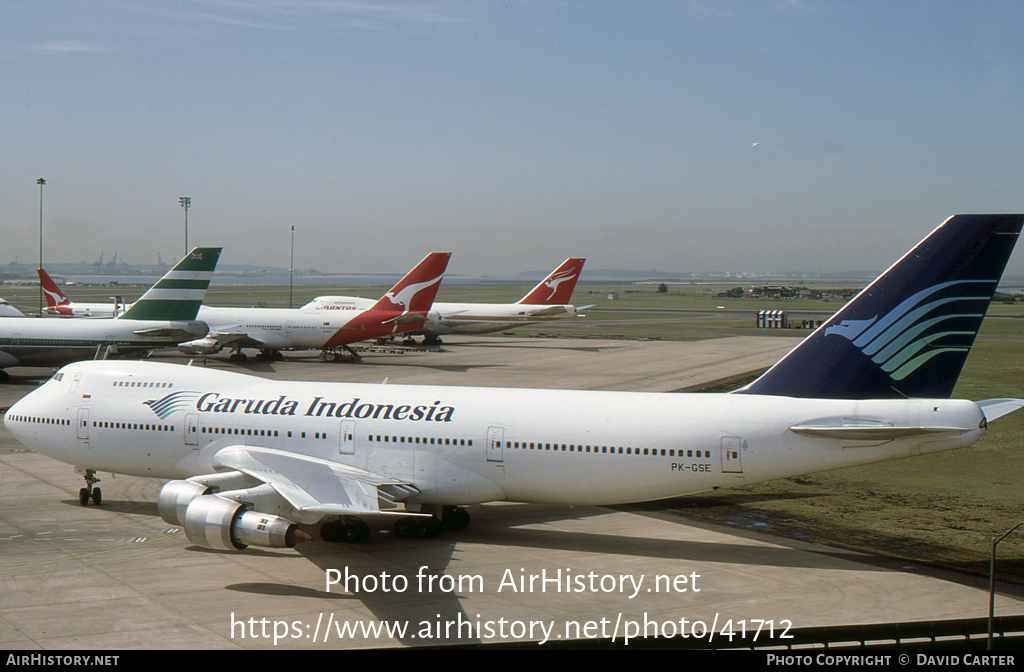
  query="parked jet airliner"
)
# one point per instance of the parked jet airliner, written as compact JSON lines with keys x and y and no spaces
{"x":163,"y":317}
{"x":253,"y":459}
{"x":59,"y":304}
{"x":405,"y":307}
{"x":7,"y":310}
{"x":549,"y":300}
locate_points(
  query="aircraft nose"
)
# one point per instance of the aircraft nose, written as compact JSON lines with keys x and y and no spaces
{"x":21,"y":418}
{"x":11,"y":421}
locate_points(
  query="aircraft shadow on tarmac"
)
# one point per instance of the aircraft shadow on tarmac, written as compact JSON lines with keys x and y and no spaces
{"x":141,"y":507}
{"x":514,"y":526}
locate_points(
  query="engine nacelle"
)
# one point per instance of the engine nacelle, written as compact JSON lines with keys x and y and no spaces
{"x":225,"y":524}
{"x":175,"y":497}
{"x":432,"y":319}
{"x":201,"y":346}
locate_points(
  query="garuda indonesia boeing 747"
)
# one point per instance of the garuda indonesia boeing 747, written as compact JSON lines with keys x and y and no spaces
{"x":251,"y":460}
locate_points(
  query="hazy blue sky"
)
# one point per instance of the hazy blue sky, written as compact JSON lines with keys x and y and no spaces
{"x":512,"y":134}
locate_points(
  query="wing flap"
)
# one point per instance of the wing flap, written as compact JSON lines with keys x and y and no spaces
{"x":316,"y":485}
{"x":236,"y":339}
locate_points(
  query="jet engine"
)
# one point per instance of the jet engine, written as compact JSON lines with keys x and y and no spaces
{"x":225,"y":524}
{"x":175,"y":497}
{"x":201,"y":346}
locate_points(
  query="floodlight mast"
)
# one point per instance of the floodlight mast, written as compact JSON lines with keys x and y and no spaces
{"x":291,"y":268}
{"x":40,"y":182}
{"x":185,"y":202}
{"x":992,"y":580}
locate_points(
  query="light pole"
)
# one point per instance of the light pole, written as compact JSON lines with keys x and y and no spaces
{"x":291,"y":268}
{"x":992,"y":581}
{"x":186,"y":201}
{"x":40,"y":182}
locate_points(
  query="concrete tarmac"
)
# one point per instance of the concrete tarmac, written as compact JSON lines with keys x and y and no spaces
{"x":117,"y":576}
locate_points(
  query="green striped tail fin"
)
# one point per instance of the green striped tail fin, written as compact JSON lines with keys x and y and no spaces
{"x":178,"y":295}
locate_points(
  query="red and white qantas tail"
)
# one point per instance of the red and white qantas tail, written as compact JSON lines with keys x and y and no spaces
{"x":556,"y":289}
{"x":56,"y":302}
{"x":416,"y":291}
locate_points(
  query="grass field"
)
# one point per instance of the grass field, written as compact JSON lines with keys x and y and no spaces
{"x":940,"y":510}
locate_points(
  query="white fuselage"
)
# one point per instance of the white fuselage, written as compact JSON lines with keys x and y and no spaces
{"x":461,"y":445}
{"x":461,"y":318}
{"x":112,"y":309}
{"x":277,"y":328}
{"x":31,"y":341}
{"x":291,"y":328}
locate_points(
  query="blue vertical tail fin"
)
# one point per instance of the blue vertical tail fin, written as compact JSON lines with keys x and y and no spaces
{"x":909,"y":332}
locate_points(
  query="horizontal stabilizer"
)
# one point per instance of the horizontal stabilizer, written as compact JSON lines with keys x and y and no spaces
{"x":312,"y":484}
{"x":406,"y":319}
{"x":996,"y":408}
{"x":872,"y":432}
{"x":549,"y":311}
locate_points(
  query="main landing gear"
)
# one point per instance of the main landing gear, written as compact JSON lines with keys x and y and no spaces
{"x":333,"y":355}
{"x":89,"y":492}
{"x":453,"y":519}
{"x":348,"y":530}
{"x":352,"y":530}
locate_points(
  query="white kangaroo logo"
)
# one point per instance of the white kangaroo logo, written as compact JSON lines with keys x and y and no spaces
{"x":56,"y":297}
{"x":405,"y":296}
{"x":555,"y":281}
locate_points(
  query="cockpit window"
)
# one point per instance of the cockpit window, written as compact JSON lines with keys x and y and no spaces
{"x":57,"y":377}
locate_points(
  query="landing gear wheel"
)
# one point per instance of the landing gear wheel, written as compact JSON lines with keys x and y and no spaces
{"x":455,"y":518}
{"x":355,"y":531}
{"x":328,"y":356}
{"x":409,"y":341}
{"x":238,"y":356}
{"x":330,"y":532}
{"x":427,"y":528}
{"x":404,"y":527}
{"x":278,"y":357}
{"x":350,"y":531}
{"x":89,"y":492}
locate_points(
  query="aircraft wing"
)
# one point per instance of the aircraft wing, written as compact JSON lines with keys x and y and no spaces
{"x":313,"y":484}
{"x":238,"y":339}
{"x":167,"y":332}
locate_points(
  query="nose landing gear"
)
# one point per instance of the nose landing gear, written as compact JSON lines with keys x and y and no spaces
{"x":89,"y":492}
